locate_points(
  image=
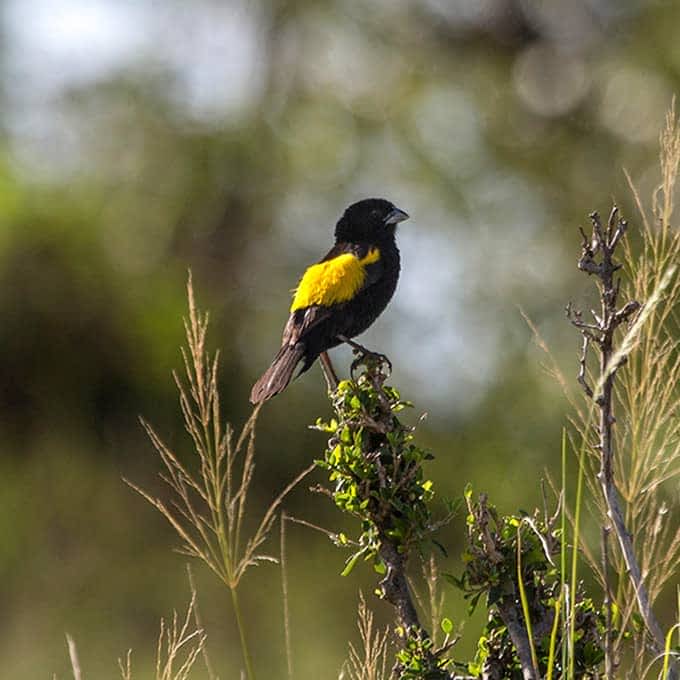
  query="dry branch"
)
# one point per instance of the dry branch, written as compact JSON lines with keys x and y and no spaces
{"x":597,"y":258}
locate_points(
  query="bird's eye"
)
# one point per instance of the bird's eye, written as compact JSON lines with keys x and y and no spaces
{"x":375,"y":213}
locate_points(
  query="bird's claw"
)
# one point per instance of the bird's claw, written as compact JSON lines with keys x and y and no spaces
{"x":369,"y":359}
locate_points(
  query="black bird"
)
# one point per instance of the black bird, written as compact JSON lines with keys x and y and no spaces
{"x":340,"y":296}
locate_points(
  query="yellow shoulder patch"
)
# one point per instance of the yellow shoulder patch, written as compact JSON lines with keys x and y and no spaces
{"x":337,"y":280}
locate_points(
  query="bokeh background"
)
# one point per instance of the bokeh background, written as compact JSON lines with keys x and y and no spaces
{"x":139,"y":139}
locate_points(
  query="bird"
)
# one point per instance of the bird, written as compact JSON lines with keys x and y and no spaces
{"x":341,"y":295}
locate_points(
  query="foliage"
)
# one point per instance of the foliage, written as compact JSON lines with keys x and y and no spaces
{"x":376,"y":467}
{"x":501,"y":547}
{"x":377,"y":473}
{"x":418,"y":659}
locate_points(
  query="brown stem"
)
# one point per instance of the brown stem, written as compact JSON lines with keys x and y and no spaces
{"x":508,"y":610}
{"x":395,"y":586}
{"x":603,"y":242}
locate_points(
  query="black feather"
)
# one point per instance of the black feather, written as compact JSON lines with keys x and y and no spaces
{"x":276,"y":378}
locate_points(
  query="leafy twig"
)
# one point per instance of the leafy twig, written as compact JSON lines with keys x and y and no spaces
{"x":377,"y":474}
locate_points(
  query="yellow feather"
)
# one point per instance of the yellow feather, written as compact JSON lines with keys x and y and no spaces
{"x":334,"y":281}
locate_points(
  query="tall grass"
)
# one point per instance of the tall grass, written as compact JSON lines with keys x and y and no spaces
{"x":648,"y":437}
{"x":210,"y":498}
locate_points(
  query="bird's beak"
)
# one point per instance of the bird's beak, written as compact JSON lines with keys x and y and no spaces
{"x":396,"y":216}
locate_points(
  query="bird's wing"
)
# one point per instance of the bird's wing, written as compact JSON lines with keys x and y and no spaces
{"x":347,"y":269}
{"x":301,"y":321}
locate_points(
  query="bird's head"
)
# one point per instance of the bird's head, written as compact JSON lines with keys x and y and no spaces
{"x":372,"y":220}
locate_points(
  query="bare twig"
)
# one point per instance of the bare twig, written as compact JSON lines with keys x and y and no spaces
{"x":510,"y":613}
{"x":597,"y":258}
{"x":582,"y":364}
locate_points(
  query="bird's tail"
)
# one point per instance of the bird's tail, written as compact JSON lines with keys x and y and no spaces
{"x":276,"y":378}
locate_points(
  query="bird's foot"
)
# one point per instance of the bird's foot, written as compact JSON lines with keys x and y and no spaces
{"x":366,"y":357}
{"x":369,"y":359}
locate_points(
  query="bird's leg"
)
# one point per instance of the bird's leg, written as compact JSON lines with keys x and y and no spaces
{"x":363,"y":354}
{"x":328,"y":372}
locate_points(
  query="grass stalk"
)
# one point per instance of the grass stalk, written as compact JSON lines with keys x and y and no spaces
{"x":667,"y":653}
{"x":574,"y":553}
{"x":563,"y":547}
{"x":73,"y":656}
{"x":247,"y":661}
{"x":286,"y":602}
{"x":525,"y":604}
{"x":553,"y":639}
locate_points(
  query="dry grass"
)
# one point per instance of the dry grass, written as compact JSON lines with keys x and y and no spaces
{"x":179,"y":645}
{"x":648,"y":436}
{"x":432,"y":601}
{"x":369,"y":662}
{"x":73,"y":658}
{"x":209,"y":499}
{"x":647,"y":404}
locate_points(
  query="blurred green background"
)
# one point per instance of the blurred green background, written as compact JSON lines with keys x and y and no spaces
{"x":139,"y":139}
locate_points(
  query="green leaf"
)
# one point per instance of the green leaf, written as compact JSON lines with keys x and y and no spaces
{"x":638,"y":622}
{"x":444,"y":551}
{"x":473,"y":603}
{"x":447,"y":626}
{"x":455,"y":581}
{"x":351,"y":563}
